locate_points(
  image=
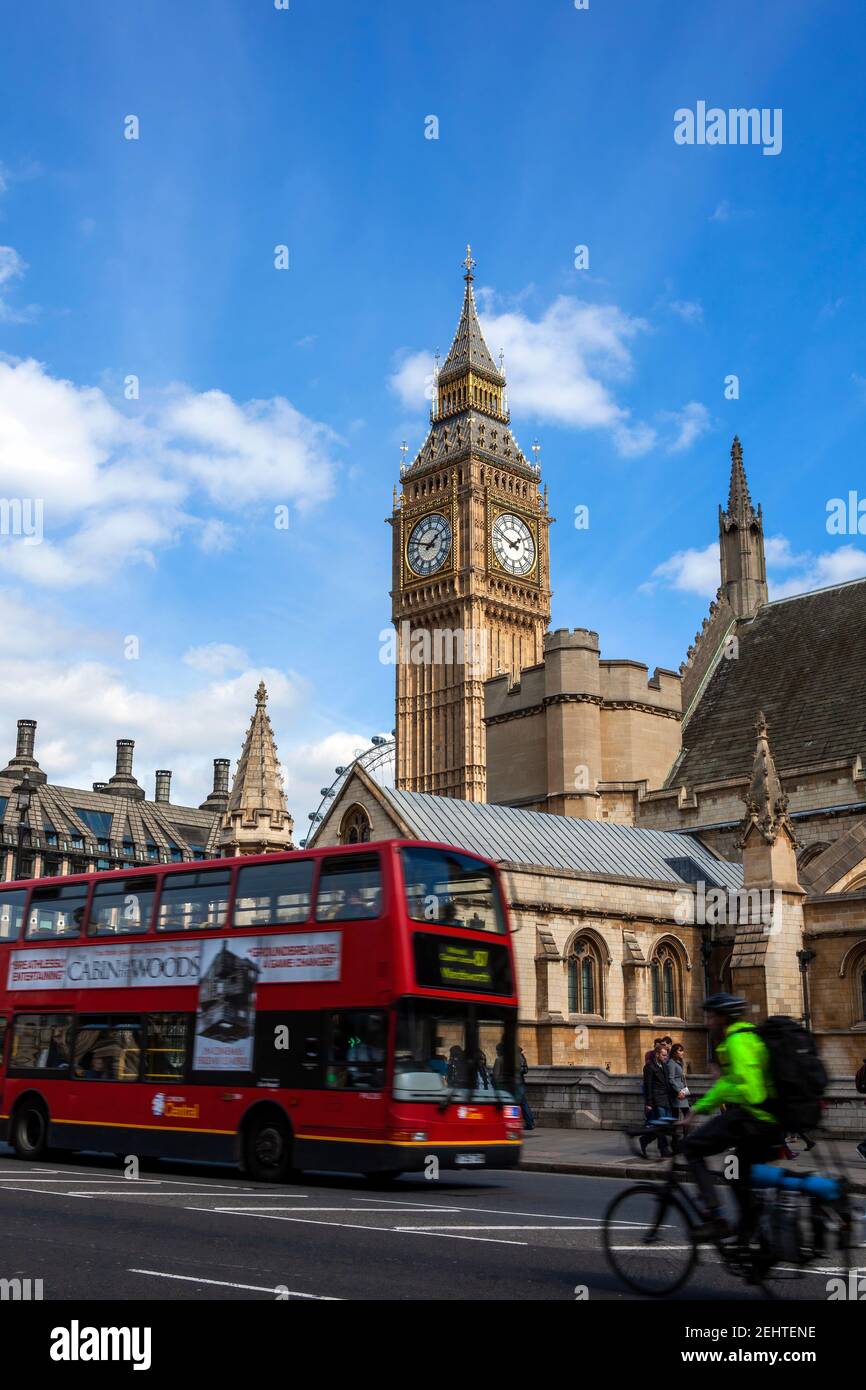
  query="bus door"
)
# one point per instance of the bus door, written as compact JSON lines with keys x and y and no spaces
{"x":354,"y":1100}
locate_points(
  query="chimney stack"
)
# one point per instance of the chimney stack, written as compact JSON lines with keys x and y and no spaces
{"x":163,"y":786}
{"x":219,"y":796}
{"x":24,"y":760}
{"x":123,"y":783}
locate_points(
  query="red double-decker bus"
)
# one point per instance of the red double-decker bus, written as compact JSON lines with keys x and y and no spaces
{"x":341,"y":1009}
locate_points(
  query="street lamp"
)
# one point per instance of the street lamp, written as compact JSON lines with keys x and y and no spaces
{"x":23,"y":794}
{"x":805,"y":957}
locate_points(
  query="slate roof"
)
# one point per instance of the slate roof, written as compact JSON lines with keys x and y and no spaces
{"x":803,"y":662}
{"x":506,"y":834}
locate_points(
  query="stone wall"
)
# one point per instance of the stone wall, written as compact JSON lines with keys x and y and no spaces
{"x":591,"y":1098}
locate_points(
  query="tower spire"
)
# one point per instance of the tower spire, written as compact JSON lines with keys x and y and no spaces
{"x":256,"y":819}
{"x":741,"y":543}
{"x":739,"y":501}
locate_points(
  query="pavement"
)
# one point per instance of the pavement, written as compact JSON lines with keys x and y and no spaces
{"x":609,"y":1153}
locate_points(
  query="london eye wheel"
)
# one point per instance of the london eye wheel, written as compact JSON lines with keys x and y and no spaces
{"x":378,"y":761}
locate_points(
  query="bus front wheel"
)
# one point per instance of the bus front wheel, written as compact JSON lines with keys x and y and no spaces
{"x":268,"y":1149}
{"x":30,"y":1130}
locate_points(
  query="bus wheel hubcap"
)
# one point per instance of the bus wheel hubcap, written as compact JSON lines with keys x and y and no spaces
{"x":269,"y":1147}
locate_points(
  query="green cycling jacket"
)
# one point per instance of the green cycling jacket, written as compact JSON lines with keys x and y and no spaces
{"x":745,"y":1078}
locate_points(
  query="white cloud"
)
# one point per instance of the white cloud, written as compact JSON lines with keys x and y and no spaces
{"x":688,"y":425}
{"x":216,"y":658}
{"x":117,"y":489}
{"x":821,"y":571}
{"x":561,"y":368}
{"x":690,"y":571}
{"x":412,"y":378}
{"x":83,"y":705}
{"x":12,"y":268}
{"x":265,"y":449}
{"x":690,"y":310}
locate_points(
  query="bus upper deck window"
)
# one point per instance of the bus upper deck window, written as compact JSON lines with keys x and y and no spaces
{"x":11,"y":913}
{"x":194,"y":901}
{"x":350,"y":889}
{"x":57,"y":911}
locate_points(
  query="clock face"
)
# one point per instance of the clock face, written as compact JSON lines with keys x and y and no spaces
{"x":429,"y":544}
{"x":513,"y":544}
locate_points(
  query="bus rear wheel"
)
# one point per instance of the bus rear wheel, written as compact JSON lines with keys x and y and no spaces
{"x":268,"y":1149}
{"x":30,"y":1130}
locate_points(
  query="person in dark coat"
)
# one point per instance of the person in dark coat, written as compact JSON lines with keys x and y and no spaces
{"x":659,"y":1100}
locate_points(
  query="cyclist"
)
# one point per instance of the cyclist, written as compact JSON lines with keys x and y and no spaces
{"x":747,"y":1123}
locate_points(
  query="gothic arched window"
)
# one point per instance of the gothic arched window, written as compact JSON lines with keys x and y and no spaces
{"x":584,"y":978}
{"x":356,"y":826}
{"x":666,"y":982}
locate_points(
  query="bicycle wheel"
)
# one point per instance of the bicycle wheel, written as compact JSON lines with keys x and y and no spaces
{"x":648,"y":1240}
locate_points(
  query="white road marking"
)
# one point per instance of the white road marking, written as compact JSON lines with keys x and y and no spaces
{"x":225,"y":1284}
{"x":445,"y":1235}
{"x":345,"y":1225}
{"x":505,"y":1211}
{"x":368,"y":1211}
{"x":577,"y":1229}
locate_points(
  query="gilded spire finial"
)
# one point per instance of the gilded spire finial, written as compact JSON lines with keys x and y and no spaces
{"x":469,"y":263}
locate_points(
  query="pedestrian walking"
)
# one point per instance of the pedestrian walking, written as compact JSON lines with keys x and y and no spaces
{"x":526,"y":1108}
{"x":659,"y":1100}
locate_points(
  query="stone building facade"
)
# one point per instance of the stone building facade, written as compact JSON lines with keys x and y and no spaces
{"x":574,"y":734}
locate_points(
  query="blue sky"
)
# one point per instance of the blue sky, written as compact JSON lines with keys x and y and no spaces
{"x":262,"y":388}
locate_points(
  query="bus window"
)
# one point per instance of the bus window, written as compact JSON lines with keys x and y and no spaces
{"x":190,"y":902}
{"x":350,"y":889}
{"x":356,"y":1052}
{"x":40,"y":1042}
{"x":166,"y":1047}
{"x":2,"y":1036}
{"x":469,"y":1049}
{"x":121,"y":907}
{"x":107,"y":1049}
{"x":274,"y":893}
{"x":11,"y":913}
{"x":452,"y":889}
{"x":57,"y":911}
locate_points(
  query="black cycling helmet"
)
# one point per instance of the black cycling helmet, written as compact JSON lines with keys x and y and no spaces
{"x":732,"y":1004}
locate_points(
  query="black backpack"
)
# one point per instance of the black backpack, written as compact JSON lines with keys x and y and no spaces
{"x":798,"y":1074}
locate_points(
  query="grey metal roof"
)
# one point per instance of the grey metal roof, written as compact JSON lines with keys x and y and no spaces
{"x":504,"y":833}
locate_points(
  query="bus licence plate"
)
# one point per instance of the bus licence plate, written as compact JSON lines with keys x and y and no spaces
{"x":470,"y":1160}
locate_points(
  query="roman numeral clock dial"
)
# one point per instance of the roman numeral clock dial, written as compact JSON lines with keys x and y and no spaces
{"x":429,"y":544}
{"x":513,"y":544}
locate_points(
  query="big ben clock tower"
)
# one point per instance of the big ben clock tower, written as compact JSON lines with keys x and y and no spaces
{"x":471,"y":572}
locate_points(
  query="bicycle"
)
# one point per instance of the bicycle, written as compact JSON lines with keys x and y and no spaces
{"x":650,"y":1229}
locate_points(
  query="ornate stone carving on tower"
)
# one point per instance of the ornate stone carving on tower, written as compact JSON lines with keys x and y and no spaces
{"x":741,"y":541}
{"x":256,"y":820}
{"x":764,"y":964}
{"x":471,"y":571}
